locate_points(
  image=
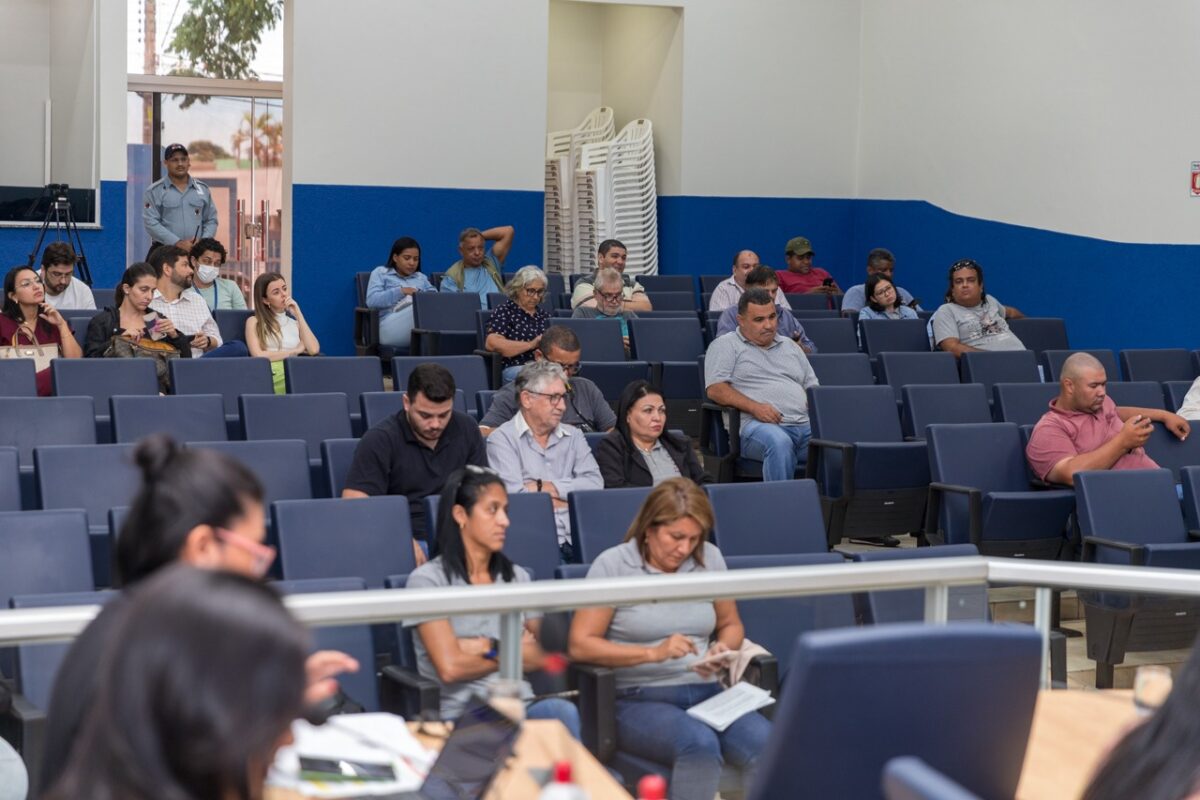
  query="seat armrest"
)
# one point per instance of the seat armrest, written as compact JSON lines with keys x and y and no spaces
{"x":494,"y":371}
{"x":24,"y":727}
{"x":408,"y":694}
{"x":597,"y":688}
{"x":933,"y":509}
{"x":816,"y":447}
{"x":1194,"y":535}
{"x":1137,"y":553}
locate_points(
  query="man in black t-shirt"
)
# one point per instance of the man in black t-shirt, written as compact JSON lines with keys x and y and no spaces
{"x":414,"y":451}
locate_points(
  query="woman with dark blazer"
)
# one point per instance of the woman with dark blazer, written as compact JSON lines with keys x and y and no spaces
{"x":640,"y":451}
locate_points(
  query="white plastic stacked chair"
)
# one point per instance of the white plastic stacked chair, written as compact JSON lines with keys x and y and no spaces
{"x":617,"y":195}
{"x":563,"y":155}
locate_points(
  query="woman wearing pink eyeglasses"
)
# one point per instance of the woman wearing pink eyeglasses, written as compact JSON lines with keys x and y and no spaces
{"x":197,"y":507}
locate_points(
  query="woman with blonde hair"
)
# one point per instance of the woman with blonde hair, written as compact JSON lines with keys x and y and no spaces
{"x":663,"y":653}
{"x":278,"y":329}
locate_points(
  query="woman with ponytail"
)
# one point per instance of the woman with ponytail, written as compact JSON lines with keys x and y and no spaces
{"x":195,"y":506}
{"x":127,"y":317}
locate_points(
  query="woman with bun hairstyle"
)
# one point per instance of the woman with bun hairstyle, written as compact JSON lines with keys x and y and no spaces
{"x":195,"y":506}
{"x":197,"y":695}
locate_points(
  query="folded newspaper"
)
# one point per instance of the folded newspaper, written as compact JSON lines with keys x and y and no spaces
{"x":720,"y":711}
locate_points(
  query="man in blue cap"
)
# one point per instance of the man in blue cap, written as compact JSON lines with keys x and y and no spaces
{"x":178,"y":209}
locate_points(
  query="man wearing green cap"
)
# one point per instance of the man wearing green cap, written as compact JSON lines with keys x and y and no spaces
{"x":801,"y":277}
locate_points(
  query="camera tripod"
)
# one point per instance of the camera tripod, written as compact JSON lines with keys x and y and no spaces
{"x":59,"y":214}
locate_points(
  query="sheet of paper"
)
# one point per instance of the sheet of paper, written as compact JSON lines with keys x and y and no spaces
{"x":373,"y":738}
{"x":722,"y":710}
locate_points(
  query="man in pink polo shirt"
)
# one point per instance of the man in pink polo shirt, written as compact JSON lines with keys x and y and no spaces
{"x":1084,"y":429}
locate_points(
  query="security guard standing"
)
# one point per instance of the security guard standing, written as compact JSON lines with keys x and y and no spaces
{"x":178,"y":209}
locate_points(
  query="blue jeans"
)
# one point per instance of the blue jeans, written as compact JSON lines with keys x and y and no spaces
{"x":234,"y":349}
{"x":556,"y":708}
{"x":781,"y":448}
{"x":652,"y":723}
{"x":395,"y":330}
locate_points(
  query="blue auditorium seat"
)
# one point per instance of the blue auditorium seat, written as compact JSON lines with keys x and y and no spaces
{"x":786,"y":518}
{"x":100,"y":379}
{"x":336,"y":457}
{"x":611,"y":377}
{"x":813,"y":302}
{"x":872,"y":482}
{"x":10,"y":480}
{"x":17,"y":378}
{"x":444,"y":323}
{"x":599,"y":339}
{"x":483,"y":401}
{"x":1052,"y":361}
{"x":103,"y":297}
{"x":842,"y":369}
{"x":925,"y":404}
{"x":1143,"y":394}
{"x":831,"y":335}
{"x":600,"y":518}
{"x":1190,"y":479}
{"x":311,"y":417}
{"x":1169,"y":452}
{"x":378,"y":406}
{"x":1133,"y":517}
{"x":186,"y":418}
{"x":1023,"y":403}
{"x":29,"y":422}
{"x":910,"y":778}
{"x":1158,"y":365}
{"x":654,"y":284}
{"x":532,"y":538}
{"x":1040,"y":334}
{"x":231,"y":322}
{"x":1175,"y":392}
{"x":280,"y":464}
{"x":999,"y":366}
{"x":989,"y":502}
{"x":898,"y":369}
{"x":709,"y":283}
{"x":820,"y":748}
{"x":351,"y":375}
{"x":672,"y":301}
{"x":966,"y":603}
{"x":229,"y":377}
{"x":672,"y":346}
{"x":894,"y":335}
{"x":469,"y":371}
{"x":368,"y":538}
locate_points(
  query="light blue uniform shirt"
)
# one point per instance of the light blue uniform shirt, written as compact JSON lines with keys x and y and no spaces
{"x":478,"y":280}
{"x":170,"y":215}
{"x":385,"y":290}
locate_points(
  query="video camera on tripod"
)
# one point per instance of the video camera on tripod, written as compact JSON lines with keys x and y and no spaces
{"x":59,"y":213}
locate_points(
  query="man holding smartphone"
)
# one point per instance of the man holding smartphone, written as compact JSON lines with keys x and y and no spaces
{"x":1084,"y":429}
{"x":801,"y":277}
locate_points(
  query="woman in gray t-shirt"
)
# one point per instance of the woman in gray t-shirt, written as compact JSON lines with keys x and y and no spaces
{"x":657,"y":650}
{"x":461,"y":653}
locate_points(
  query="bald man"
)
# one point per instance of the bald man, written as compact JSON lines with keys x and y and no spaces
{"x":729,"y":291}
{"x":1084,"y":429}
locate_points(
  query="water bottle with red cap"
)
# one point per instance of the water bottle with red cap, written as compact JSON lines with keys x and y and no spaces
{"x":652,"y":787}
{"x":560,"y":786}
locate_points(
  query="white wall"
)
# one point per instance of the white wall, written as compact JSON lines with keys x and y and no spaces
{"x":112,"y":89}
{"x":72,"y":57}
{"x":430,"y":94}
{"x":24,"y":87}
{"x":1077,"y":116}
{"x":575,"y":72}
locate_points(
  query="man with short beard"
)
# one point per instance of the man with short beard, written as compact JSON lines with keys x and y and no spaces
{"x":177,"y":301}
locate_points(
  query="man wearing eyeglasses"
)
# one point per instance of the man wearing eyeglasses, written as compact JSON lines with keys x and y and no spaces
{"x":586,"y":407}
{"x":58,"y":278}
{"x":207,"y":257}
{"x":609,"y":296}
{"x":536,"y":452}
{"x":612,"y":254}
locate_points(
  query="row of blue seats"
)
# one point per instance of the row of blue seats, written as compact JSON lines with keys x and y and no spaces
{"x":230,"y":322}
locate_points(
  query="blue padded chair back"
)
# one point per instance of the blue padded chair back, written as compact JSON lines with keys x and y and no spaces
{"x":351,"y":375}
{"x":709,"y":283}
{"x":842,"y":369}
{"x":1040,"y":334}
{"x":831,"y":335}
{"x":666,"y":339}
{"x":449,"y":311}
{"x":116,"y":519}
{"x":1143,"y":394}
{"x":967,"y":603}
{"x":1052,"y":361}
{"x":909,"y":778}
{"x":672,"y":301}
{"x":1137,"y":506}
{"x":44,"y":552}
{"x":902,"y":368}
{"x":470,"y":372}
{"x":228,"y":377}
{"x":854,"y":413}
{"x":611,"y":377}
{"x":943,"y":404}
{"x":775,"y":622}
{"x":532,"y":539}
{"x":29,"y":422}
{"x":1175,"y":392}
{"x":353,"y":640}
{"x":1023,"y":403}
{"x":668,"y":283}
{"x":231,"y":322}
{"x":1171,"y":453}
{"x":78,"y":320}
{"x":811,"y":302}
{"x":570,"y":571}
{"x":840,"y":678}
{"x":405,"y":651}
{"x":336,"y":457}
{"x":10,"y":480}
{"x":311,"y":417}
{"x":280,"y":464}
{"x":599,"y":339}
{"x":187,"y":418}
{"x":37,"y":664}
{"x":892,"y":335}
{"x":786,"y":518}
{"x":378,"y":406}
{"x":17,"y":378}
{"x":999,"y":366}
{"x":92,"y":477}
{"x":956,"y":456}
{"x":101,"y":378}
{"x":483,"y":401}
{"x":361,"y":281}
{"x":368,"y":538}
{"x":600,"y":518}
{"x":103,"y":297}
{"x":1190,"y":478}
{"x":1158,"y":365}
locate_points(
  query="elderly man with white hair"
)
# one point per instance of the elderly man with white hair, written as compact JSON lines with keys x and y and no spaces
{"x":1084,"y":428}
{"x":535,"y":452}
{"x":609,"y":304}
{"x":515,"y":329}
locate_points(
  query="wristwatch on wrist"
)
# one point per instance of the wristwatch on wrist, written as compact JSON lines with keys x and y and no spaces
{"x":494,"y":652}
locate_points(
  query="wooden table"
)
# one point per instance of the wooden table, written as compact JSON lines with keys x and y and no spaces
{"x":1072,"y":732}
{"x":541,"y":743}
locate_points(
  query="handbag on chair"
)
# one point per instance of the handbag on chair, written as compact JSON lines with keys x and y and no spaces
{"x":42,"y":354}
{"x":161,"y":352}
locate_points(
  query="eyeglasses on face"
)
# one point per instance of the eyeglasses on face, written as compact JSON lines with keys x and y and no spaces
{"x":529,"y":290}
{"x":570,"y":369}
{"x":555,"y":399}
{"x":611,"y":297}
{"x":25,"y":284}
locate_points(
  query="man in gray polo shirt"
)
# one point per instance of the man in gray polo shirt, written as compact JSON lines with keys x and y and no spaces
{"x":765,"y":376}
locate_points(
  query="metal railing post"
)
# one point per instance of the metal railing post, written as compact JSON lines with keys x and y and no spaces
{"x":1042,"y":600}
{"x":510,"y":646}
{"x":937,"y":604}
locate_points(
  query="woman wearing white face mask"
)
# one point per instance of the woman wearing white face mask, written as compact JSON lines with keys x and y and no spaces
{"x":278,"y":329}
{"x":207,"y":257}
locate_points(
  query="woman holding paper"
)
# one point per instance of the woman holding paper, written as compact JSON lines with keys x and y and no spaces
{"x":666,"y":655}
